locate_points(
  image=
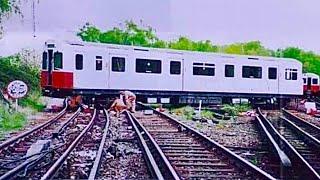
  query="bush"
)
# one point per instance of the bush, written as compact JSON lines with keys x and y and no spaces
{"x":33,"y":101}
{"x":11,"y":120}
{"x":207,"y":114}
{"x":186,"y":112}
{"x":234,"y":110}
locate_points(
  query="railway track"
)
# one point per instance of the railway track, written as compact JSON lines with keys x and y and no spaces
{"x":306,"y":126}
{"x":31,"y":155}
{"x":126,"y":156}
{"x":267,"y":154}
{"x":184,"y":153}
{"x":298,"y":145}
{"x":82,"y":157}
{"x":30,"y":132}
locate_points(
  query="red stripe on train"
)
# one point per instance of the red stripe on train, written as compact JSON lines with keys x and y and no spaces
{"x":62,"y":80}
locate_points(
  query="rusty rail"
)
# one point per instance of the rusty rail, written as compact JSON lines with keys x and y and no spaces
{"x":234,"y":157}
{"x":31,"y":131}
{"x":97,"y":161}
{"x":56,"y":166}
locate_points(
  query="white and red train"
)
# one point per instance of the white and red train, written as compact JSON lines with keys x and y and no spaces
{"x":311,"y":85}
{"x":166,"y":75}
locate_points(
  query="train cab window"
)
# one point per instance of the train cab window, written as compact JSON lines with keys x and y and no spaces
{"x":291,"y":74}
{"x":57,"y":60}
{"x":229,"y":71}
{"x":272,"y":73}
{"x":118,"y":64}
{"x":314,"y":81}
{"x":252,"y":72}
{"x":79,"y":61}
{"x":304,"y":81}
{"x":98,"y":63}
{"x":44,"y":60}
{"x":148,"y":66}
{"x":175,"y":67}
{"x":203,"y":69}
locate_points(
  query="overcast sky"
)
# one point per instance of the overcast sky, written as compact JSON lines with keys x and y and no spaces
{"x":276,"y":23}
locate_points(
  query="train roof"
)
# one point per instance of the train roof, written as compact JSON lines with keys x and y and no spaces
{"x":172,"y":51}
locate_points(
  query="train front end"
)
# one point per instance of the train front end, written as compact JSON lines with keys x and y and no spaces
{"x":56,"y":80}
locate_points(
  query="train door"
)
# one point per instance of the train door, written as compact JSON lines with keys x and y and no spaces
{"x":176,"y":72}
{"x":50,"y":66}
{"x":117,"y":66}
{"x":309,"y":81}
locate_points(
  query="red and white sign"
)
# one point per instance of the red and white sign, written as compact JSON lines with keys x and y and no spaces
{"x":17,"y":89}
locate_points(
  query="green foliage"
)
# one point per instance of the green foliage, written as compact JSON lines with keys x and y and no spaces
{"x":33,"y":101}
{"x":4,"y":6}
{"x":207,"y":114}
{"x":249,"y":48}
{"x":186,"y":112}
{"x":19,"y":67}
{"x":9,"y":6}
{"x":234,"y":110}
{"x":13,"y":68}
{"x":10,"y":120}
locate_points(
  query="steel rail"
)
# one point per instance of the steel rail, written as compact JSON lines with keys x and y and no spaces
{"x":97,"y":161}
{"x":31,"y":131}
{"x":305,"y":134}
{"x":297,"y":119}
{"x":152,"y":165}
{"x":56,"y":166}
{"x":306,"y":168}
{"x":168,"y":166}
{"x":236,"y":158}
{"x":284,"y":159}
{"x":59,"y":130}
{"x":36,"y":158}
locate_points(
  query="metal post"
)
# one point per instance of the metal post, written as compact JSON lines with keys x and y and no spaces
{"x":17,"y":104}
{"x":200,"y":102}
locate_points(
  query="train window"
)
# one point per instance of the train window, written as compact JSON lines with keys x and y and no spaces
{"x":272,"y":73}
{"x":57,"y":60}
{"x":291,"y":74}
{"x":118,"y":64}
{"x":44,"y":60}
{"x":229,"y":71}
{"x":98,"y":63}
{"x":314,"y":81}
{"x":79,"y":61}
{"x":304,"y":81}
{"x":203,"y":69}
{"x":252,"y":72}
{"x":175,"y":67}
{"x":148,"y":66}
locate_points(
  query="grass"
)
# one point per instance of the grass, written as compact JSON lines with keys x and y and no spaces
{"x":33,"y":101}
{"x":185,"y":112}
{"x":234,"y":110}
{"x":11,"y":120}
{"x":207,"y":114}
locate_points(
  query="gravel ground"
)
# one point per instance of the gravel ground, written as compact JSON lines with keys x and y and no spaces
{"x":124,"y":160}
{"x":241,"y":136}
{"x":238,"y":132}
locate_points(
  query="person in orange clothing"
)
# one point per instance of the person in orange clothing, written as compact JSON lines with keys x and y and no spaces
{"x":118,"y":106}
{"x":130,"y":100}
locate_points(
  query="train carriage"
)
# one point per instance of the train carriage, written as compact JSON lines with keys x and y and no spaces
{"x":311,"y":84}
{"x":95,"y":69}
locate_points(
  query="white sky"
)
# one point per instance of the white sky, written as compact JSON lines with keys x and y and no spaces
{"x":276,"y":23}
